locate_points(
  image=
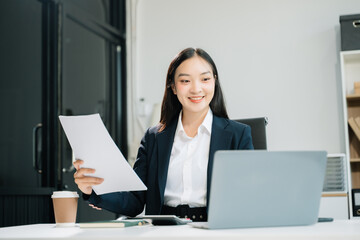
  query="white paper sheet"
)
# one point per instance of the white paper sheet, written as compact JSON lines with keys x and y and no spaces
{"x":92,"y":143}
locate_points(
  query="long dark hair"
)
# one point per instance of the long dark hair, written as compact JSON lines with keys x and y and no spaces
{"x":171,"y":106}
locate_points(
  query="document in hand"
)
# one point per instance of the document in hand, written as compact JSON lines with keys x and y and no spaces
{"x":92,"y":143}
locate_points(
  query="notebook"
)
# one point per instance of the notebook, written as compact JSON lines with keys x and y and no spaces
{"x":113,"y":223}
{"x":265,"y":189}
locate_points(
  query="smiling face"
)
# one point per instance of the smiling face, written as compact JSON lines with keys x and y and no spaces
{"x":194,"y":85}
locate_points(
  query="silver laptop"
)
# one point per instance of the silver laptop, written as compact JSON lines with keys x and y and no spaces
{"x":265,"y":189}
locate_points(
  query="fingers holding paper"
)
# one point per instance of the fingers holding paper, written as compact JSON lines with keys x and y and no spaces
{"x":77,"y":163}
{"x":84,"y":182}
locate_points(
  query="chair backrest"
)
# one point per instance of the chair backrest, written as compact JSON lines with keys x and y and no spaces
{"x":258,"y":131}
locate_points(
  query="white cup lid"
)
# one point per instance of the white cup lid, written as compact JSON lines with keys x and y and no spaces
{"x":65,"y":194}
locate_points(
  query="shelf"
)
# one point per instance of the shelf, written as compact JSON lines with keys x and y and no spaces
{"x":351,"y":55}
{"x":350,"y":74}
{"x":351,"y":97}
{"x":355,"y":160}
{"x":325,"y":194}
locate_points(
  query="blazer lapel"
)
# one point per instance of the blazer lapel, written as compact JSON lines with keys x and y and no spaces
{"x":220,"y":140}
{"x":165,"y":141}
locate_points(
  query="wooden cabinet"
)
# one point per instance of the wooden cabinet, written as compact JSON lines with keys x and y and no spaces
{"x":350,"y":71}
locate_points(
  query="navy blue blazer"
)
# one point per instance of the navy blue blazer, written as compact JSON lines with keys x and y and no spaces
{"x":153,"y":161}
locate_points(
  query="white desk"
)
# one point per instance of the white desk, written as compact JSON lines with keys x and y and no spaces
{"x":341,"y":229}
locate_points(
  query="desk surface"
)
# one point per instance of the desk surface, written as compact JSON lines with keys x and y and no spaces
{"x":341,"y":229}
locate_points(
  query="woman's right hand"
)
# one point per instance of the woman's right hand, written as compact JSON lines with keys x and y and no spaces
{"x":83,"y":182}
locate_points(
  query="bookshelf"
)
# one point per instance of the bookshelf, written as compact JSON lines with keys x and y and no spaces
{"x":350,"y":71}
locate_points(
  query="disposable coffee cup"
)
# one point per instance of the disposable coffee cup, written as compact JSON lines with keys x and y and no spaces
{"x":65,"y":208}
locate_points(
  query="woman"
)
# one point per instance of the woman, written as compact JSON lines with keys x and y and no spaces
{"x":175,"y":157}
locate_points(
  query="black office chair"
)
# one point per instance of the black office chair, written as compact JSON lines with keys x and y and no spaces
{"x":258,"y":131}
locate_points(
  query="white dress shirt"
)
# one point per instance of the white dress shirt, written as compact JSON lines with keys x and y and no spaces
{"x":187,"y":174}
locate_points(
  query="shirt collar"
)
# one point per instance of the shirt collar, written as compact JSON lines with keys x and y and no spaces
{"x":205,"y":125}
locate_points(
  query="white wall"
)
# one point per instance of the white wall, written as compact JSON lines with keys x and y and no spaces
{"x":276,"y":58}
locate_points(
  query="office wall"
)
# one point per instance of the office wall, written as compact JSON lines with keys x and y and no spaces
{"x":278,"y":59}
